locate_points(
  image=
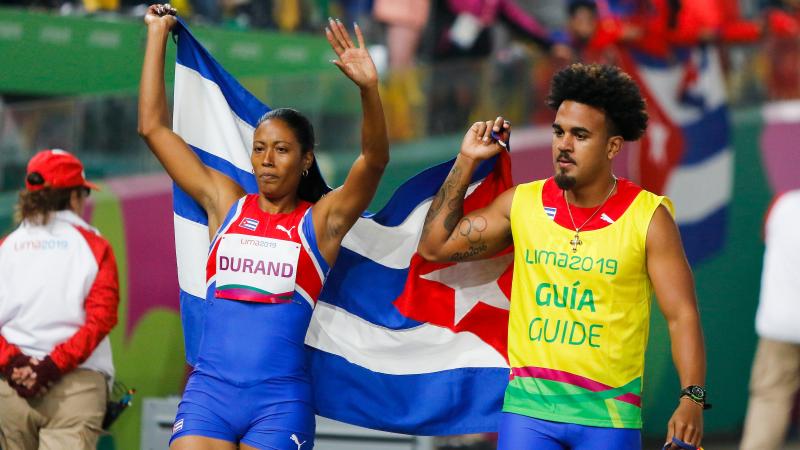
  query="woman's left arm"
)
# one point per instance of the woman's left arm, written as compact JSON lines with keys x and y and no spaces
{"x":336,"y":212}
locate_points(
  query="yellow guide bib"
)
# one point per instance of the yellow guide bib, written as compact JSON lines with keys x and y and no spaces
{"x":579,"y":322}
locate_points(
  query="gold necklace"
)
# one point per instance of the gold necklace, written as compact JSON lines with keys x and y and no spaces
{"x":576,"y":241}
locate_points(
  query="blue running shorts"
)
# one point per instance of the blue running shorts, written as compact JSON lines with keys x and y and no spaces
{"x":518,"y":432}
{"x":270,"y":415}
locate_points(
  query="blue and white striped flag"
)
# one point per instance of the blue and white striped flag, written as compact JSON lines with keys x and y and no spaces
{"x":371,"y":365}
{"x":690,"y":90}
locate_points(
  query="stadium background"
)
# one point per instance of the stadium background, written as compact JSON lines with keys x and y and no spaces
{"x":69,"y":81}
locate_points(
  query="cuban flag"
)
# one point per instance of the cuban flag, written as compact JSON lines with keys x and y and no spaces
{"x":396,"y":343}
{"x":686,"y":153}
{"x":249,"y":224}
{"x":216,"y":116}
{"x":405,"y":345}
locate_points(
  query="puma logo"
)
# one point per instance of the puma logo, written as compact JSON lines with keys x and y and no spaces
{"x":293,"y":437}
{"x":282,"y":228}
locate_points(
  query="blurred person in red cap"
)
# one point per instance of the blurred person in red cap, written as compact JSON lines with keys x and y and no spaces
{"x":58,"y":302}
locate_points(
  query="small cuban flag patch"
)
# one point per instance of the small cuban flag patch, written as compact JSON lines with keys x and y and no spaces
{"x":178,"y":426}
{"x":249,"y":224}
{"x":551,"y":212}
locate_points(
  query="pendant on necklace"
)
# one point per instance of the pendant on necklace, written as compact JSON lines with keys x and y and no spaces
{"x":576,"y":241}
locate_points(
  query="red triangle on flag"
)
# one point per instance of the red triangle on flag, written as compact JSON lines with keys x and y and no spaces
{"x":467,"y":296}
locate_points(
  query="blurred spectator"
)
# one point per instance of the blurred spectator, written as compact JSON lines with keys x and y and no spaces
{"x":581,"y":28}
{"x":404,"y":22}
{"x":783,"y":48}
{"x":92,"y":6}
{"x":464,"y":26}
{"x":349,"y":11}
{"x":206,"y":10}
{"x":58,"y":302}
{"x":550,"y":13}
{"x":286,"y":14}
{"x":355,"y":10}
{"x":585,"y":38}
{"x":657,"y":26}
{"x":640,"y":24}
{"x":591,"y":33}
{"x":699,"y":21}
{"x":783,"y":17}
{"x":237,"y":13}
{"x":775,"y":376}
{"x":464,"y":38}
{"x":34,"y":3}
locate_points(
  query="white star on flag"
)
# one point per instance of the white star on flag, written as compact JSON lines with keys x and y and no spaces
{"x":658,"y":134}
{"x":474,"y":282}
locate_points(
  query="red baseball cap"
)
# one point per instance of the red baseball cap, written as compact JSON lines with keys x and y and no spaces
{"x":59,"y":169}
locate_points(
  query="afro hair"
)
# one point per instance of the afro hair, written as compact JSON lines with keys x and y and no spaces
{"x":604,"y":87}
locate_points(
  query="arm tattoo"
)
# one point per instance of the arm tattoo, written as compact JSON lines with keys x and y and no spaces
{"x":451,"y":194}
{"x":472,"y":228}
{"x":456,"y":207}
{"x":474,"y":250}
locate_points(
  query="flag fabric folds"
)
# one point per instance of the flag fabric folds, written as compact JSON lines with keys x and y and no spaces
{"x":687,"y":152}
{"x":395,"y":343}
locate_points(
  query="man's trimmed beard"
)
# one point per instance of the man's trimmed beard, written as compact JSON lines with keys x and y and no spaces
{"x":564,"y":181}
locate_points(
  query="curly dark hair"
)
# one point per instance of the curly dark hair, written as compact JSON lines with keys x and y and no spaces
{"x":607,"y":88}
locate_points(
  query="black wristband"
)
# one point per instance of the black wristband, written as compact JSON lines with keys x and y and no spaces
{"x":696,"y":394}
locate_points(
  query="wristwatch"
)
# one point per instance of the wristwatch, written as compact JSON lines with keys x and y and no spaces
{"x":696,"y":394}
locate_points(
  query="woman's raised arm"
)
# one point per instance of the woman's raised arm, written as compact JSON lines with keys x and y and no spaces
{"x":213,"y":190}
{"x":336,"y":213}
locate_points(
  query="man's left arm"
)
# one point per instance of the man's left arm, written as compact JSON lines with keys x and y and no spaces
{"x":673,"y":282}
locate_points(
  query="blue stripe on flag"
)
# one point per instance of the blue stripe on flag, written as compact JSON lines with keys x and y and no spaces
{"x":453,"y":401}
{"x":707,"y":136}
{"x":193,"y":56}
{"x":189,"y":209}
{"x":367,"y":289}
{"x":704,"y":238}
{"x":186,"y":207}
{"x":249,"y":224}
{"x":243,"y":178}
{"x":650,"y":61}
{"x":419,"y":188}
{"x":679,"y":56}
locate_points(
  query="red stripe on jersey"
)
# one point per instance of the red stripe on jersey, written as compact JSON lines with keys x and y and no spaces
{"x":617,"y":204}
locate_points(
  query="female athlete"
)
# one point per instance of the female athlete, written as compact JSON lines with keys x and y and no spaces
{"x":269,"y":256}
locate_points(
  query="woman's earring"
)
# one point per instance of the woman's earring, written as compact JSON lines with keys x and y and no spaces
{"x":305,"y":173}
